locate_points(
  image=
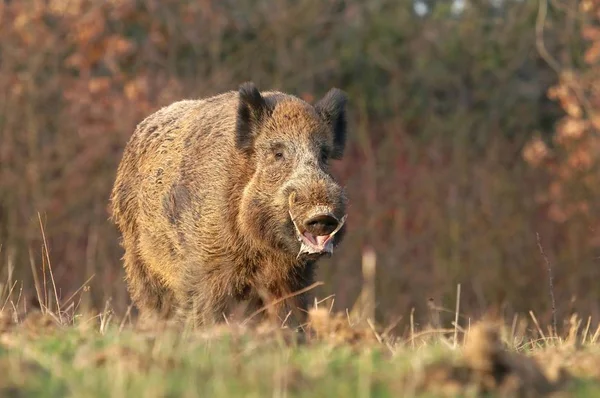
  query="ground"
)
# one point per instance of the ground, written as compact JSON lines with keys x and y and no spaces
{"x":101,"y":357}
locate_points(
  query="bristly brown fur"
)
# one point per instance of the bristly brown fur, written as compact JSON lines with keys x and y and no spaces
{"x":201,"y":201}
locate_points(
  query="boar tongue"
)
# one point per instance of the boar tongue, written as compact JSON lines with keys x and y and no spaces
{"x":315,"y":244}
{"x":322,"y":240}
{"x":317,"y":241}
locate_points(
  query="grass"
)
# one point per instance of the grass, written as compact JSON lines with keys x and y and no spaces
{"x":94,"y":357}
{"x":59,"y":350}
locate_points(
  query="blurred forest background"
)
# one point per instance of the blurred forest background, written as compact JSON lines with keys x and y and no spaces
{"x":473,"y":131}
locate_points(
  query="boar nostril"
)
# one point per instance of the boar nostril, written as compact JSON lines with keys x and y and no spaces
{"x":321,"y":224}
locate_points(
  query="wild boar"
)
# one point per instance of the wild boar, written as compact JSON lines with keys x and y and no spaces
{"x":230,"y":199}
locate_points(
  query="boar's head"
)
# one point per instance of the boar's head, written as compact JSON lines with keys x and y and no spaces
{"x":291,"y":201}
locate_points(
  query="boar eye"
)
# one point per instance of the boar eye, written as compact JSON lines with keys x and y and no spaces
{"x":278,"y":151}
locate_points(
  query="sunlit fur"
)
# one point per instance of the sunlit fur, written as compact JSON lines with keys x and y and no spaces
{"x":202,"y":200}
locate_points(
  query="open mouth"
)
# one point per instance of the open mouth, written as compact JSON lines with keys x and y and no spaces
{"x":316,"y":244}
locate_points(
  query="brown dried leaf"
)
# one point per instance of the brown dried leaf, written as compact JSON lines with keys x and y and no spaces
{"x":593,"y":53}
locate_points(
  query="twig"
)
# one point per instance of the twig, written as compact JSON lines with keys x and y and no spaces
{"x":537,"y":325}
{"x":456,"y":314}
{"x":412,"y":326}
{"x":279,"y":300}
{"x":127,"y":314}
{"x":430,"y":331}
{"x":587,"y":330}
{"x":317,"y":302}
{"x":513,"y":329}
{"x":434,"y":314}
{"x":550,"y":281}
{"x":78,"y":290}
{"x":8,"y":296}
{"x":36,"y":280}
{"x":550,"y":60}
{"x":595,"y":336}
{"x":539,"y":35}
{"x":286,"y":318}
{"x":50,"y":267}
{"x":379,"y":339}
{"x":391,"y":326}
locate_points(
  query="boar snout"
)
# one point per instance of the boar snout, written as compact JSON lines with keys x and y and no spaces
{"x":316,"y":233}
{"x":321,"y":224}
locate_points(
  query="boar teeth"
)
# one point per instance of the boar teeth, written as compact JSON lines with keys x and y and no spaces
{"x":311,"y":244}
{"x":340,"y":225}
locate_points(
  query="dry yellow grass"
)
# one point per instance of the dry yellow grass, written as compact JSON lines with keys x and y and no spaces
{"x":46,"y":355}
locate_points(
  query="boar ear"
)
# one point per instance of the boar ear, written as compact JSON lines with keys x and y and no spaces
{"x":332,"y":108}
{"x":252,"y":109}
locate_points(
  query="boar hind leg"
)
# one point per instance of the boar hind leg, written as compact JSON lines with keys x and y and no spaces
{"x":154,"y":300}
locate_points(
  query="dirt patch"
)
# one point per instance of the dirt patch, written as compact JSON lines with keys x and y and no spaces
{"x":487,"y":367}
{"x":32,"y":324}
{"x":336,"y":329}
{"x":37,"y":324}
